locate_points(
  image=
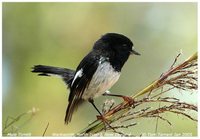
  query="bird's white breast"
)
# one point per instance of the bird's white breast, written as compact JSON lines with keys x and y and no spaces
{"x":103,"y":79}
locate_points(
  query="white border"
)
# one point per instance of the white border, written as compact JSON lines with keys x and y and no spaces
{"x":95,"y":1}
{"x":198,"y":38}
{"x":100,"y":0}
{"x":1,"y":70}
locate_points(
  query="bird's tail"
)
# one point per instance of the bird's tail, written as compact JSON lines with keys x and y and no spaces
{"x":66,"y":74}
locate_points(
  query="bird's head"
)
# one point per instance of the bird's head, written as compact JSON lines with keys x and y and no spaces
{"x":115,"y":46}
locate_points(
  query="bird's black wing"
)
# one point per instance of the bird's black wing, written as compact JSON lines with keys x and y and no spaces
{"x":84,"y":71}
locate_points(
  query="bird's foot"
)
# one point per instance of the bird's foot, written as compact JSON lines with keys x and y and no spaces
{"x":102,"y":118}
{"x":128,"y":99}
{"x":105,"y":121}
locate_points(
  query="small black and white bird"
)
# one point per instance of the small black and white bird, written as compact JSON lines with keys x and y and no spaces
{"x":97,"y":72}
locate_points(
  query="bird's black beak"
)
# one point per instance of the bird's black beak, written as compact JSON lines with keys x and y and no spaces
{"x":134,"y":52}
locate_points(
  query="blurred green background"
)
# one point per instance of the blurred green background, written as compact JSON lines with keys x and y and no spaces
{"x":61,"y":34}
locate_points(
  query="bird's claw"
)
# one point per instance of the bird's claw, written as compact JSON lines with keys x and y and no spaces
{"x":128,"y":99}
{"x":102,"y":118}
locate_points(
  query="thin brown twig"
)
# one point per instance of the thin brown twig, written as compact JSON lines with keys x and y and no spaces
{"x":45,"y":129}
{"x":156,"y":129}
{"x":175,"y":60}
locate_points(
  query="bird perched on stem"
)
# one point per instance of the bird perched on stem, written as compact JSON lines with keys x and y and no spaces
{"x":97,"y":72}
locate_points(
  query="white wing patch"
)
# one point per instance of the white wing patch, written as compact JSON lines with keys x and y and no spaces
{"x":78,"y":75}
{"x":102,"y":59}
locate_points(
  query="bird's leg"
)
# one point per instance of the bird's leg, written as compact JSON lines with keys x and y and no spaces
{"x":101,"y":117}
{"x":98,"y":117}
{"x":128,"y":99}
